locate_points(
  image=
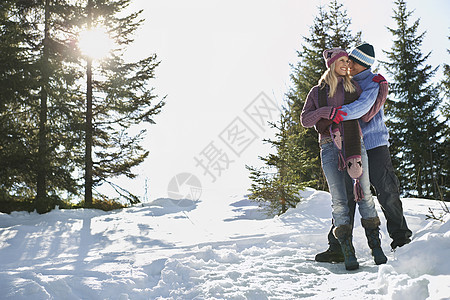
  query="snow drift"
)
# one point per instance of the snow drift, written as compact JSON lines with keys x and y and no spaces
{"x":213,"y":249}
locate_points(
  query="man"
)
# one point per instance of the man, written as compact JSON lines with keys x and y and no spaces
{"x":368,"y":109}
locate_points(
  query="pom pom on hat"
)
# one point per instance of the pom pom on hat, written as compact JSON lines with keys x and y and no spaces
{"x":363,"y":54}
{"x":330,"y":55}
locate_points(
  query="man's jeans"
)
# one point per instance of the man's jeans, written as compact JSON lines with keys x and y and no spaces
{"x":340,"y":183}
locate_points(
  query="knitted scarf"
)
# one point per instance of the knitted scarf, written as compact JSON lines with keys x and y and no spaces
{"x":347,"y":138}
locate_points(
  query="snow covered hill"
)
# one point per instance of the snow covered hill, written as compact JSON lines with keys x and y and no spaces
{"x":213,"y":249}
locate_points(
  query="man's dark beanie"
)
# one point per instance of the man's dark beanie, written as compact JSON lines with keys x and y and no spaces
{"x":363,"y":55}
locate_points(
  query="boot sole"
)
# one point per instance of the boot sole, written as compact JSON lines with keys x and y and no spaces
{"x":352,"y":267}
{"x":330,"y":261}
{"x":380,"y":262}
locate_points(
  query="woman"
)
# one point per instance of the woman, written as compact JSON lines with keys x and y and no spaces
{"x":343,"y":155}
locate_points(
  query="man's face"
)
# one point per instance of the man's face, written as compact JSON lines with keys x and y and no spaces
{"x":354,"y":67}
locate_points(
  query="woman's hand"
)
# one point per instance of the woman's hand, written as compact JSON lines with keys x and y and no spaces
{"x":323,"y":126}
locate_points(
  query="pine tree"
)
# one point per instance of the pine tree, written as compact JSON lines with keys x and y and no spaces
{"x":416,"y":132}
{"x":276,"y":186}
{"x":16,"y":86}
{"x":297,"y":149}
{"x":123,"y":99}
{"x":42,"y":100}
{"x":39,"y":100}
{"x":445,"y":111}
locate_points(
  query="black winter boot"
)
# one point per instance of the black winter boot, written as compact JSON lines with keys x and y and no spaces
{"x":332,"y":255}
{"x":372,"y":228}
{"x":344,"y":235}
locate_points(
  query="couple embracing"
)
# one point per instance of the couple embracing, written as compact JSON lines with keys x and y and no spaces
{"x":346,"y":108}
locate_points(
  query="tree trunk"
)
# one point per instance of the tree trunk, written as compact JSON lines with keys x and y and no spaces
{"x":88,"y":155}
{"x":42,"y":160}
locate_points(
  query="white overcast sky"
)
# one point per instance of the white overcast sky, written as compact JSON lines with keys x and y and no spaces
{"x":217,"y":57}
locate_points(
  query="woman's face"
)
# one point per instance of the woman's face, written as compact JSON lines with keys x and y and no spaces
{"x":341,"y":66}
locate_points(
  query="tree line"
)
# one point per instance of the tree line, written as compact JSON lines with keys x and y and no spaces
{"x":68,"y":123}
{"x":417,"y":115}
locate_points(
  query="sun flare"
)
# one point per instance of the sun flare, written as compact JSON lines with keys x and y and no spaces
{"x":95,"y":43}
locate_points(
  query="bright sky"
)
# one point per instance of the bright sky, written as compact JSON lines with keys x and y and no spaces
{"x":217,"y":57}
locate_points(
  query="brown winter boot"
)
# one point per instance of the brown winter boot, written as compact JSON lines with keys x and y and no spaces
{"x":343,"y":234}
{"x":372,"y":228}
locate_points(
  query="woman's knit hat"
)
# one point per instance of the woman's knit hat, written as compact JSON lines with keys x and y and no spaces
{"x":330,"y":55}
{"x":363,"y":55}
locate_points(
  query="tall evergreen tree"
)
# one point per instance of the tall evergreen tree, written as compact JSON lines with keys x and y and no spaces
{"x":297,"y":150}
{"x":40,"y":99}
{"x":415,"y":129}
{"x":121,"y":99}
{"x":16,"y":86}
{"x":445,"y":111}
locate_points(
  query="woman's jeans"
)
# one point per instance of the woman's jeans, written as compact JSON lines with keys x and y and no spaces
{"x":340,"y":183}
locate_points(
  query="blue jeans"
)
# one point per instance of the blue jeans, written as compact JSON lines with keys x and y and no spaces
{"x":340,"y":184}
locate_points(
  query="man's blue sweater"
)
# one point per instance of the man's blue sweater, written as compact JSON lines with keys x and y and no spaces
{"x":375,"y":131}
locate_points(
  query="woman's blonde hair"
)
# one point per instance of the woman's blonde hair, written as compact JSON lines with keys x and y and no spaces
{"x":330,"y":78}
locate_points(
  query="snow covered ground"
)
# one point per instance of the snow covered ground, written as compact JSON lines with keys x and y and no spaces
{"x":213,"y":249}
